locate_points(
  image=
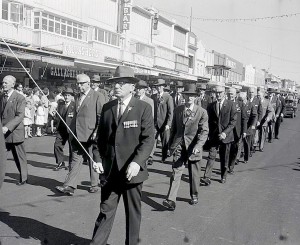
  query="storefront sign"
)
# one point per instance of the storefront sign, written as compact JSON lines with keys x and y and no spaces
{"x":143,"y":71}
{"x":13,"y":69}
{"x":126,"y":10}
{"x":63,"y":72}
{"x":79,"y":51}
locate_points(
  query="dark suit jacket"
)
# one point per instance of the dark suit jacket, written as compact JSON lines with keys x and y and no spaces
{"x":251,"y":116}
{"x":276,"y":103}
{"x":163,"y":110}
{"x":224,"y":122}
{"x":177,"y":101}
{"x":12,"y":116}
{"x":257,"y":103}
{"x":204,"y":101}
{"x":87,"y":117}
{"x":67,"y":114}
{"x":282,"y":100}
{"x":241,"y":120}
{"x":191,"y":131}
{"x":130,"y":140}
{"x":2,"y":156}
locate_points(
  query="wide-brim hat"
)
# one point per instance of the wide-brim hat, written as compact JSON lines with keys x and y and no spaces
{"x":124,"y":72}
{"x":190,"y":88}
{"x":179,"y":84}
{"x":201,"y":87}
{"x":160,"y":82}
{"x":141,"y":84}
{"x":95,"y":78}
{"x":68,"y":91}
{"x":219,"y":89}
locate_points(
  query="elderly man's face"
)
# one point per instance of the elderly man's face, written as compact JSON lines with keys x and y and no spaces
{"x":123,"y":89}
{"x":220,"y":95}
{"x":251,"y":93}
{"x":8,"y":83}
{"x":68,"y":97}
{"x":140,"y":91}
{"x":94,"y":85}
{"x":231,"y":95}
{"x":83,"y":86}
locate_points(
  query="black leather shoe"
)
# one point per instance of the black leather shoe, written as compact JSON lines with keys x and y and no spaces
{"x":261,"y":150}
{"x":68,"y":190}
{"x":60,"y":166}
{"x":231,"y":171}
{"x":277,"y":138}
{"x":93,"y":189}
{"x":223,"y":180}
{"x":194,"y":201}
{"x":170,"y":205}
{"x":206,"y":181}
{"x":22,"y":182}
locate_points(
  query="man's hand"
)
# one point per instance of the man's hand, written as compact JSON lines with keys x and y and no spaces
{"x":97,"y":166}
{"x":244,"y":135}
{"x":253,"y":127}
{"x":4,"y":130}
{"x":167,"y":127}
{"x":195,"y":151}
{"x":222,"y":136}
{"x":276,"y":116}
{"x":132,"y":170}
{"x":281,"y":114}
{"x":257,"y":124}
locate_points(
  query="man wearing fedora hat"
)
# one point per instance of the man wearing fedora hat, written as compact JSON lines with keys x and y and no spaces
{"x":66,"y":110}
{"x":188,"y":134}
{"x":221,"y":122}
{"x":84,"y":125}
{"x":281,"y":114}
{"x":203,"y":99}
{"x":125,"y":141}
{"x":276,"y":104}
{"x":163,"y":114}
{"x":177,"y":95}
{"x":95,"y":84}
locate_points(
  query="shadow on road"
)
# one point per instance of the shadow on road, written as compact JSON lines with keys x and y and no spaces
{"x":286,"y":165}
{"x":28,"y":228}
{"x":41,"y":164}
{"x":44,"y":154}
{"x":37,"y":181}
{"x":146,"y":198}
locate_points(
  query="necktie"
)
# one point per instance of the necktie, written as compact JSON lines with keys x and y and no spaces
{"x":218,"y":108}
{"x":81,"y":98}
{"x":120,"y":110}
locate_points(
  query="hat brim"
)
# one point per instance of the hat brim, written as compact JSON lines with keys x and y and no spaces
{"x":156,"y":85}
{"x":132,"y":79}
{"x":72,"y":93}
{"x":188,"y":92}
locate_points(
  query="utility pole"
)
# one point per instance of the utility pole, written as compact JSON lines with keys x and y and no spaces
{"x":191,"y":18}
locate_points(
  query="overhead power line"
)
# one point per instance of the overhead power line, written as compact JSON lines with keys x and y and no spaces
{"x":234,"y":19}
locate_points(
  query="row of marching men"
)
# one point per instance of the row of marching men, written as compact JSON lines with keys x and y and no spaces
{"x":234,"y":123}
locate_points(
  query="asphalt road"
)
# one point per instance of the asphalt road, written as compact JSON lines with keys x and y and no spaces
{"x":258,"y":205}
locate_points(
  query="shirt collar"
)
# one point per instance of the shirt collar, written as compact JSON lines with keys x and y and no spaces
{"x":10,"y":93}
{"x":191,"y":107}
{"x":127,"y":100}
{"x":86,"y":92}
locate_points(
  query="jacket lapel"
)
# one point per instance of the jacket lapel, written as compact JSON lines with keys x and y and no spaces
{"x":86,"y":99}
{"x":128,"y":108}
{"x":114,"y":110}
{"x":10,"y":100}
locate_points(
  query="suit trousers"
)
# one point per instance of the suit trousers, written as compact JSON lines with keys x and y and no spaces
{"x":235,"y":150}
{"x":271,"y":126}
{"x":19,"y":155}
{"x":2,"y":162}
{"x":110,"y":196}
{"x":277,"y":126}
{"x":262,"y":133}
{"x":247,"y":147}
{"x":76,"y":164}
{"x":194,"y":169}
{"x":224,"y":150}
{"x":165,"y":137}
{"x":60,"y":141}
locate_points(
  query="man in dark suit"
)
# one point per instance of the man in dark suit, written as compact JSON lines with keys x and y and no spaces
{"x":163,"y":114}
{"x":252,"y":97}
{"x":95,"y":84}
{"x":239,"y":131}
{"x":203,"y":100}
{"x":12,"y":111}
{"x":280,"y":118}
{"x":2,"y":156}
{"x":140,"y":88}
{"x":221,"y":122}
{"x":277,"y":106}
{"x":177,"y":95}
{"x":188,"y":134}
{"x":125,"y":141}
{"x":251,"y":125}
{"x":66,"y":109}
{"x":84,"y":125}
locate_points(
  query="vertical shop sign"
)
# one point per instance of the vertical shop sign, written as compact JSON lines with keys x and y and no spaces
{"x":126,"y":11}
